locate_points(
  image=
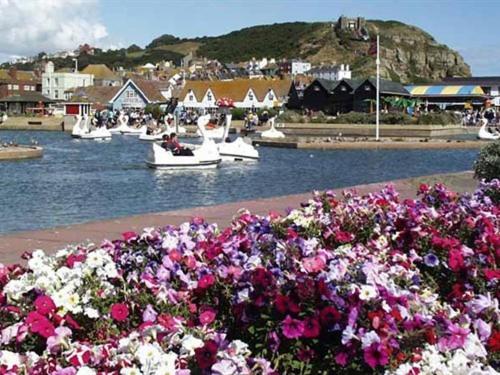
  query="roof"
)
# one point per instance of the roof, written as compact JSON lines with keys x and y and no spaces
{"x":387,"y":86}
{"x":94,"y":94}
{"x":21,"y":75}
{"x":479,"y":81}
{"x":327,"y":84}
{"x":100,"y":71}
{"x":27,"y":97}
{"x":147,"y":88}
{"x":237,"y":89}
{"x":445,"y":90}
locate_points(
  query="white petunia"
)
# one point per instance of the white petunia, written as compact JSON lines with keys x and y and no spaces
{"x":367,"y":293}
{"x":189,"y":344}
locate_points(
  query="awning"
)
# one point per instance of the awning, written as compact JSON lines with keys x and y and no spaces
{"x":445,"y":90}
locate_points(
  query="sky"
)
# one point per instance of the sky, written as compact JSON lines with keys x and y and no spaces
{"x":31,"y":26}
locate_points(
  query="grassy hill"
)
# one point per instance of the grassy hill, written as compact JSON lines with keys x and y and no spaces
{"x":408,"y":54}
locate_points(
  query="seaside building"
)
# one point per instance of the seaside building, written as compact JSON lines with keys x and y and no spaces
{"x":54,"y":84}
{"x":134,"y":94}
{"x":489,"y":84}
{"x":331,"y":72}
{"x":246,"y":93}
{"x":347,"y":95}
{"x":294,"y":67}
{"x":449,"y":95}
{"x":17,"y":82}
{"x":103,"y":76}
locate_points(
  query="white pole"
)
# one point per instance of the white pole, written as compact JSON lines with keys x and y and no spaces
{"x":377,"y":117}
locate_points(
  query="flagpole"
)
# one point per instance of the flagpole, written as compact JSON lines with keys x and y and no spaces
{"x":377,"y":116}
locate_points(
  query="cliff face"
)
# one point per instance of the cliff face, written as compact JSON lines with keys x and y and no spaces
{"x":408,"y":54}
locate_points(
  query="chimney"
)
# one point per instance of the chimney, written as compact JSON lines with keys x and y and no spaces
{"x":13,"y":72}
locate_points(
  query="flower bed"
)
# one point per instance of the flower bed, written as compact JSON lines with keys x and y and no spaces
{"x":342,"y":285}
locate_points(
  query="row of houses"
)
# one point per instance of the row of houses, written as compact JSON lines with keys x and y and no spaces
{"x":341,"y":96}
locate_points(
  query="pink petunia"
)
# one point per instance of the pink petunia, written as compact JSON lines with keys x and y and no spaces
{"x":292,"y":328}
{"x":44,"y":305}
{"x":376,"y":355}
{"x":207,"y":316}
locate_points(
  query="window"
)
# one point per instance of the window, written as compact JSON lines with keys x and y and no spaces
{"x":367,"y":88}
{"x":271,"y":96}
{"x":56,"y":81}
{"x":316,"y":88}
{"x":9,"y":86}
{"x":209,"y":97}
{"x":250,"y":96}
{"x":131,"y":94}
{"x":26,"y":87}
{"x":343,"y":88}
{"x":56,"y":94}
{"x":15,"y":87}
{"x":191,"y":98}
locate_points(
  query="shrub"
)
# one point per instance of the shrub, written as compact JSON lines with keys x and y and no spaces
{"x":369,"y":118}
{"x":238,"y":113}
{"x":487,"y":165}
{"x":154,"y":109}
{"x":439,"y":118}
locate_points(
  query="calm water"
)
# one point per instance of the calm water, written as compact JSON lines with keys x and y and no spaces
{"x":78,"y":181}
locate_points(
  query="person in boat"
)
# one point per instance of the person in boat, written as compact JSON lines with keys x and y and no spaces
{"x":178,"y":149}
{"x":165,"y":142}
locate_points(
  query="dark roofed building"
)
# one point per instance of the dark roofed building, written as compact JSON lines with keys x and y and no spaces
{"x":25,"y":102}
{"x":365,"y":93}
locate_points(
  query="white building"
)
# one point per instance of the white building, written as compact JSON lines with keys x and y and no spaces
{"x":54,"y":84}
{"x":331,"y":72}
{"x":299,"y":67}
{"x":245,"y":93}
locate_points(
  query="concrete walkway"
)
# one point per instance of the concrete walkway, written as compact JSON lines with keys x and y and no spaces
{"x":13,"y":245}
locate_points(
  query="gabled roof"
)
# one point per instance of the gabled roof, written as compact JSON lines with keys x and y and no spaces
{"x":386,"y":86}
{"x":237,"y":89}
{"x":100,"y":71}
{"x":21,"y":75}
{"x":146,"y":88}
{"x":94,"y":94}
{"x":327,"y":84}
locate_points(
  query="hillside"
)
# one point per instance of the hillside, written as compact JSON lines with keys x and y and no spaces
{"x":408,"y":54}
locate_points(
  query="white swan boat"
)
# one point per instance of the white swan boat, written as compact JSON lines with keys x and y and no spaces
{"x":272,"y":133}
{"x":485,"y":134}
{"x":237,"y":150}
{"x":168,"y":130}
{"x":216,"y":133}
{"x":82,"y":130}
{"x":122,"y":124}
{"x":205,"y":156}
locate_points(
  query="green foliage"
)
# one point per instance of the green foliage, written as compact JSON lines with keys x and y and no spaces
{"x":277,"y":40}
{"x":162,"y":40}
{"x":487,"y":165}
{"x":369,"y":118}
{"x":154,"y":109}
{"x":134,"y":48}
{"x":439,"y":118}
{"x":238,"y":113}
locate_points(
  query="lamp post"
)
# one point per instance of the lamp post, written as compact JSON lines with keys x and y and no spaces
{"x":377,"y":117}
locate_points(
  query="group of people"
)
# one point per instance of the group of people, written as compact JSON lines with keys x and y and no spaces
{"x":171,"y":143}
{"x":475,"y":117}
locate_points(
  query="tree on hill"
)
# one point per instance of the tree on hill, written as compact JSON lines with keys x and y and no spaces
{"x":134,"y":48}
{"x":162,"y":40}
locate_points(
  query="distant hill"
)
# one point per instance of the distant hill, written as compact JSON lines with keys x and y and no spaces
{"x":408,"y":54}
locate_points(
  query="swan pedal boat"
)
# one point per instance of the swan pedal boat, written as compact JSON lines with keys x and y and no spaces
{"x":237,"y":150}
{"x":485,"y":134}
{"x":205,"y":156}
{"x":81,"y":130}
{"x":272,"y":133}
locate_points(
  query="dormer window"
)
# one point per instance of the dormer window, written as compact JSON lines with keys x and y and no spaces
{"x":250,"y":96}
{"x":209,"y":97}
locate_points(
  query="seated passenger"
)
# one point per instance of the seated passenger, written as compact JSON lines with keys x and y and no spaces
{"x":165,"y":142}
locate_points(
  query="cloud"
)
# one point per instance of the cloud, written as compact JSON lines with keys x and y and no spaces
{"x":31,"y":26}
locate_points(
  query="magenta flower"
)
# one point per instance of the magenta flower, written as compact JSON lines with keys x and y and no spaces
{"x":376,"y":355}
{"x":292,"y":328}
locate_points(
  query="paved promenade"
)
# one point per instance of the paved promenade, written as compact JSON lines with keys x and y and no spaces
{"x":13,"y":245}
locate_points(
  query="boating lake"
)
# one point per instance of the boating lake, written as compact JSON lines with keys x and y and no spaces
{"x":78,"y":181}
